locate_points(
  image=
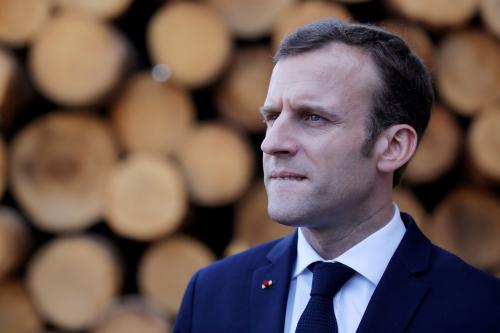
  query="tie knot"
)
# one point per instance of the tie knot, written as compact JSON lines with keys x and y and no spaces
{"x":328,"y":278}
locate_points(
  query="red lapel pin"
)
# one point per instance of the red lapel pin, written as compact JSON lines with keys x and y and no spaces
{"x":267,"y":284}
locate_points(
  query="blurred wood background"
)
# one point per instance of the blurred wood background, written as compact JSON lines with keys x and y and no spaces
{"x":130,"y":145}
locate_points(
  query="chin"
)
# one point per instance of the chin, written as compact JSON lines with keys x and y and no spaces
{"x":287,"y":215}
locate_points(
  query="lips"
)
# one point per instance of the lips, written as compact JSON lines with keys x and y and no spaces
{"x":286,"y":175}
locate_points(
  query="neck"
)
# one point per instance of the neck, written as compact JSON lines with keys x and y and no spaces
{"x":345,"y":232}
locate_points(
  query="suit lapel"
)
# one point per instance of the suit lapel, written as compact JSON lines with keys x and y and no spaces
{"x":400,"y":291}
{"x":268,"y":305}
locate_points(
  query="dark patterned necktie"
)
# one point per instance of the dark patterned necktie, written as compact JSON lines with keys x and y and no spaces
{"x":328,"y":278}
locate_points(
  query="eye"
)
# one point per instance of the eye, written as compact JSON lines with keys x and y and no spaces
{"x":313,"y":117}
{"x":270,"y":117}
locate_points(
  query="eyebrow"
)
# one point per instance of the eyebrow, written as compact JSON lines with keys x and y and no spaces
{"x":304,"y":107}
{"x":266,"y":109}
{"x":314,"y":108}
{"x":299,"y":107}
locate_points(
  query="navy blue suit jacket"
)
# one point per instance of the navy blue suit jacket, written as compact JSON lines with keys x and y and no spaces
{"x":424,"y":289}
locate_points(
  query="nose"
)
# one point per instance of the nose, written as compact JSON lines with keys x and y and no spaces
{"x":280,"y":139}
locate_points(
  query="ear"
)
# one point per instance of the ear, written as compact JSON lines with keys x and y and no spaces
{"x":396,"y":145}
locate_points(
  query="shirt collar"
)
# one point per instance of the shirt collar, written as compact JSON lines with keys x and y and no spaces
{"x":368,"y":258}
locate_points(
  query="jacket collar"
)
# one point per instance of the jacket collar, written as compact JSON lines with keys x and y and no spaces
{"x":395,"y":300}
{"x":268,"y":305}
{"x":401,"y":290}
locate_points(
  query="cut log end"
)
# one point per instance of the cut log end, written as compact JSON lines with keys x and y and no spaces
{"x":468,"y":70}
{"x":14,"y":240}
{"x":152,"y":117}
{"x":22,"y":20}
{"x":490,"y":13}
{"x":236,"y":246}
{"x":166,"y":268}
{"x":192,"y":40}
{"x":409,"y":203}
{"x":436,"y":13}
{"x":438,"y":149}
{"x":252,"y":223}
{"x":416,"y":38}
{"x":77,"y":60}
{"x":59,"y":166}
{"x":304,"y":13}
{"x":73,"y":280}
{"x":250,"y":19}
{"x":245,"y":87}
{"x":3,"y":167}
{"x":14,"y":89}
{"x":108,"y":9}
{"x":8,"y":73}
{"x":132,"y":315}
{"x":484,"y":142}
{"x":218,"y":164}
{"x":17,"y":311}
{"x":146,"y":198}
{"x":467,"y":223}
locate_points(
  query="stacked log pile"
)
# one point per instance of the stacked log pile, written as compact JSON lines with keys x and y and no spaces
{"x":130,"y":145}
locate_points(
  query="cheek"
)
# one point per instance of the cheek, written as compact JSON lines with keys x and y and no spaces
{"x":341,"y":163}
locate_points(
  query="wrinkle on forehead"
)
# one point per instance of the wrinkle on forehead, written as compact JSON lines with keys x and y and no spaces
{"x":341,"y":75}
{"x":355,"y":61}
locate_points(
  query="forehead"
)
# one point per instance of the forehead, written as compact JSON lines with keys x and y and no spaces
{"x":336,"y":67}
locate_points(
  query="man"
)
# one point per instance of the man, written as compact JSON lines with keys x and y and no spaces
{"x":346,"y":107}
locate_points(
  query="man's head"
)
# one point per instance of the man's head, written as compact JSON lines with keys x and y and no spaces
{"x":405,"y":95}
{"x":345,"y":106}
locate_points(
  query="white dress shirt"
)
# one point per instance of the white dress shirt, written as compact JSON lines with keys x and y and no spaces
{"x":369,"y":258}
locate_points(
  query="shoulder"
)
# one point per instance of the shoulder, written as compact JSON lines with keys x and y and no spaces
{"x":229,"y":280}
{"x":453,"y":284}
{"x":455,"y":273}
{"x":460,"y":291}
{"x":442,"y":268}
{"x":461,"y":294}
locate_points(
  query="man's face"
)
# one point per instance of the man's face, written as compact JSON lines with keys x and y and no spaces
{"x":316,"y":112}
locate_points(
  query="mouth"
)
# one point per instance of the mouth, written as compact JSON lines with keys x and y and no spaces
{"x":286,"y":175}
